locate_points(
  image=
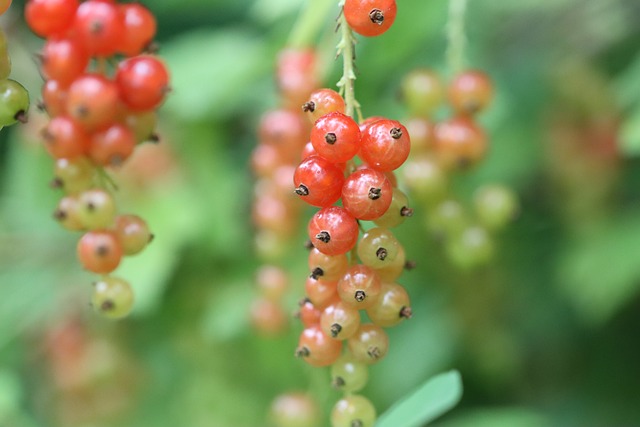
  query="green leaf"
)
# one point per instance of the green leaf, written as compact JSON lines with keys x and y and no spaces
{"x":428,"y":402}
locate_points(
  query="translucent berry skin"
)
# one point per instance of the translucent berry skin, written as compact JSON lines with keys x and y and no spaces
{"x":370,"y":17}
{"x":64,"y":60}
{"x":92,"y":101}
{"x":393,"y":271}
{"x":378,"y":247}
{"x":74,"y":176}
{"x":333,"y":231}
{"x":99,"y":251}
{"x":97,"y":209}
{"x":54,"y":97}
{"x":295,"y":410}
{"x":460,"y":143}
{"x":139,"y":28}
{"x":367,"y":194}
{"x":66,"y":214}
{"x":321,"y":292}
{"x":339,"y":320}
{"x":327,"y":267}
{"x":316,"y":348}
{"x":392,"y":307}
{"x":112,"y":146}
{"x":348,"y":375}
{"x":309,"y":314}
{"x":398,"y":211}
{"x":359,"y":287}
{"x":369,"y":344}
{"x":318,"y":181}
{"x":99,"y":27}
{"x":112,"y":297}
{"x":470,"y":92}
{"x":352,"y":411}
{"x":322,"y":102}
{"x":133,"y":233}
{"x":64,"y":138}
{"x":336,"y":137}
{"x":385,"y":145}
{"x":48,"y":18}
{"x":143,"y":82}
{"x":14,"y":102}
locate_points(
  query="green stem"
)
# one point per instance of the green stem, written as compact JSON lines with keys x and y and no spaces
{"x":311,"y":20}
{"x":456,"y":39}
{"x":346,"y":48}
{"x":105,"y":179}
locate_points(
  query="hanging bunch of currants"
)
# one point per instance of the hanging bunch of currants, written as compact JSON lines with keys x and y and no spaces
{"x":102,"y":88}
{"x":14,"y":98}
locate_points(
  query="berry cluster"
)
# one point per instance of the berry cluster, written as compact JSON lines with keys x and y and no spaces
{"x":100,"y":108}
{"x":14,"y":98}
{"x":443,"y":149}
{"x":339,"y":287}
{"x":276,"y":212}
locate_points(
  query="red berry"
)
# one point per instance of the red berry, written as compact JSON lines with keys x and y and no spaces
{"x":54,"y":97}
{"x":309,"y":315}
{"x":470,"y":92}
{"x":63,"y":60}
{"x":460,"y":143}
{"x":385,"y":145}
{"x":333,"y":231}
{"x":143,"y":82}
{"x":370,"y":17}
{"x":99,"y":27}
{"x":327,"y":267}
{"x":92,"y":101}
{"x":367,"y":194}
{"x":48,"y":18}
{"x":139,"y":28}
{"x":64,"y":138}
{"x":99,"y":251}
{"x":318,"y":181}
{"x":112,"y":146}
{"x":317,"y":348}
{"x":336,"y":137}
{"x":322,"y":102}
{"x":359,"y":287}
{"x":320,"y":291}
{"x":296,"y":75}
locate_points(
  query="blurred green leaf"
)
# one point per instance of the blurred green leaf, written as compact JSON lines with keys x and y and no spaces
{"x":511,"y":417}
{"x":431,"y":400}
{"x":600,"y":272}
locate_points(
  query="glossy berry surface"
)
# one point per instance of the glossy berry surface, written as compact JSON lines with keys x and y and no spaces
{"x":133,"y":233}
{"x":327,"y":267}
{"x":339,"y":320}
{"x":353,"y":411}
{"x":369,"y":344}
{"x":392,"y":307}
{"x":63,"y":60}
{"x":50,"y":17}
{"x":14,"y":102}
{"x":139,"y":28}
{"x":112,"y":297}
{"x":112,"y":146}
{"x":336,"y":137}
{"x":316,"y":348}
{"x":143,"y":82}
{"x":318,"y":181}
{"x":99,"y":27}
{"x":367,"y":194}
{"x":359,"y":287}
{"x":333,"y":231}
{"x":64,"y":138}
{"x":370,"y":17}
{"x":349,"y":375}
{"x":97,"y":209}
{"x":322,"y":102}
{"x":99,"y":251}
{"x":385,"y":145}
{"x":92,"y":101}
{"x":378,"y":247}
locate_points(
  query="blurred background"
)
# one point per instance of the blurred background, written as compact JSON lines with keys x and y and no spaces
{"x":546,"y":334}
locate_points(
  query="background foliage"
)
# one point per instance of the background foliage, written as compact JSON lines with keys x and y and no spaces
{"x":547,"y":335}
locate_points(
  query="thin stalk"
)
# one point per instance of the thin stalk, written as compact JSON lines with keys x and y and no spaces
{"x":346,"y":48}
{"x":456,"y":38}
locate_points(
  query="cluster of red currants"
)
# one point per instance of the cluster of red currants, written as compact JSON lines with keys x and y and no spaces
{"x":339,"y":287}
{"x":100,"y":108}
{"x":453,"y":145}
{"x":14,"y":98}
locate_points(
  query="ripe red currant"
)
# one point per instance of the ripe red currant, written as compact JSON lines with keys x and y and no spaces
{"x":316,"y":348}
{"x":99,"y":251}
{"x":359,"y":287}
{"x":318,"y":181}
{"x":385,"y":145}
{"x":333,"y":231}
{"x":367,"y":194}
{"x":336,"y":137}
{"x":370,"y":17}
{"x":470,"y":92}
{"x":48,"y":18}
